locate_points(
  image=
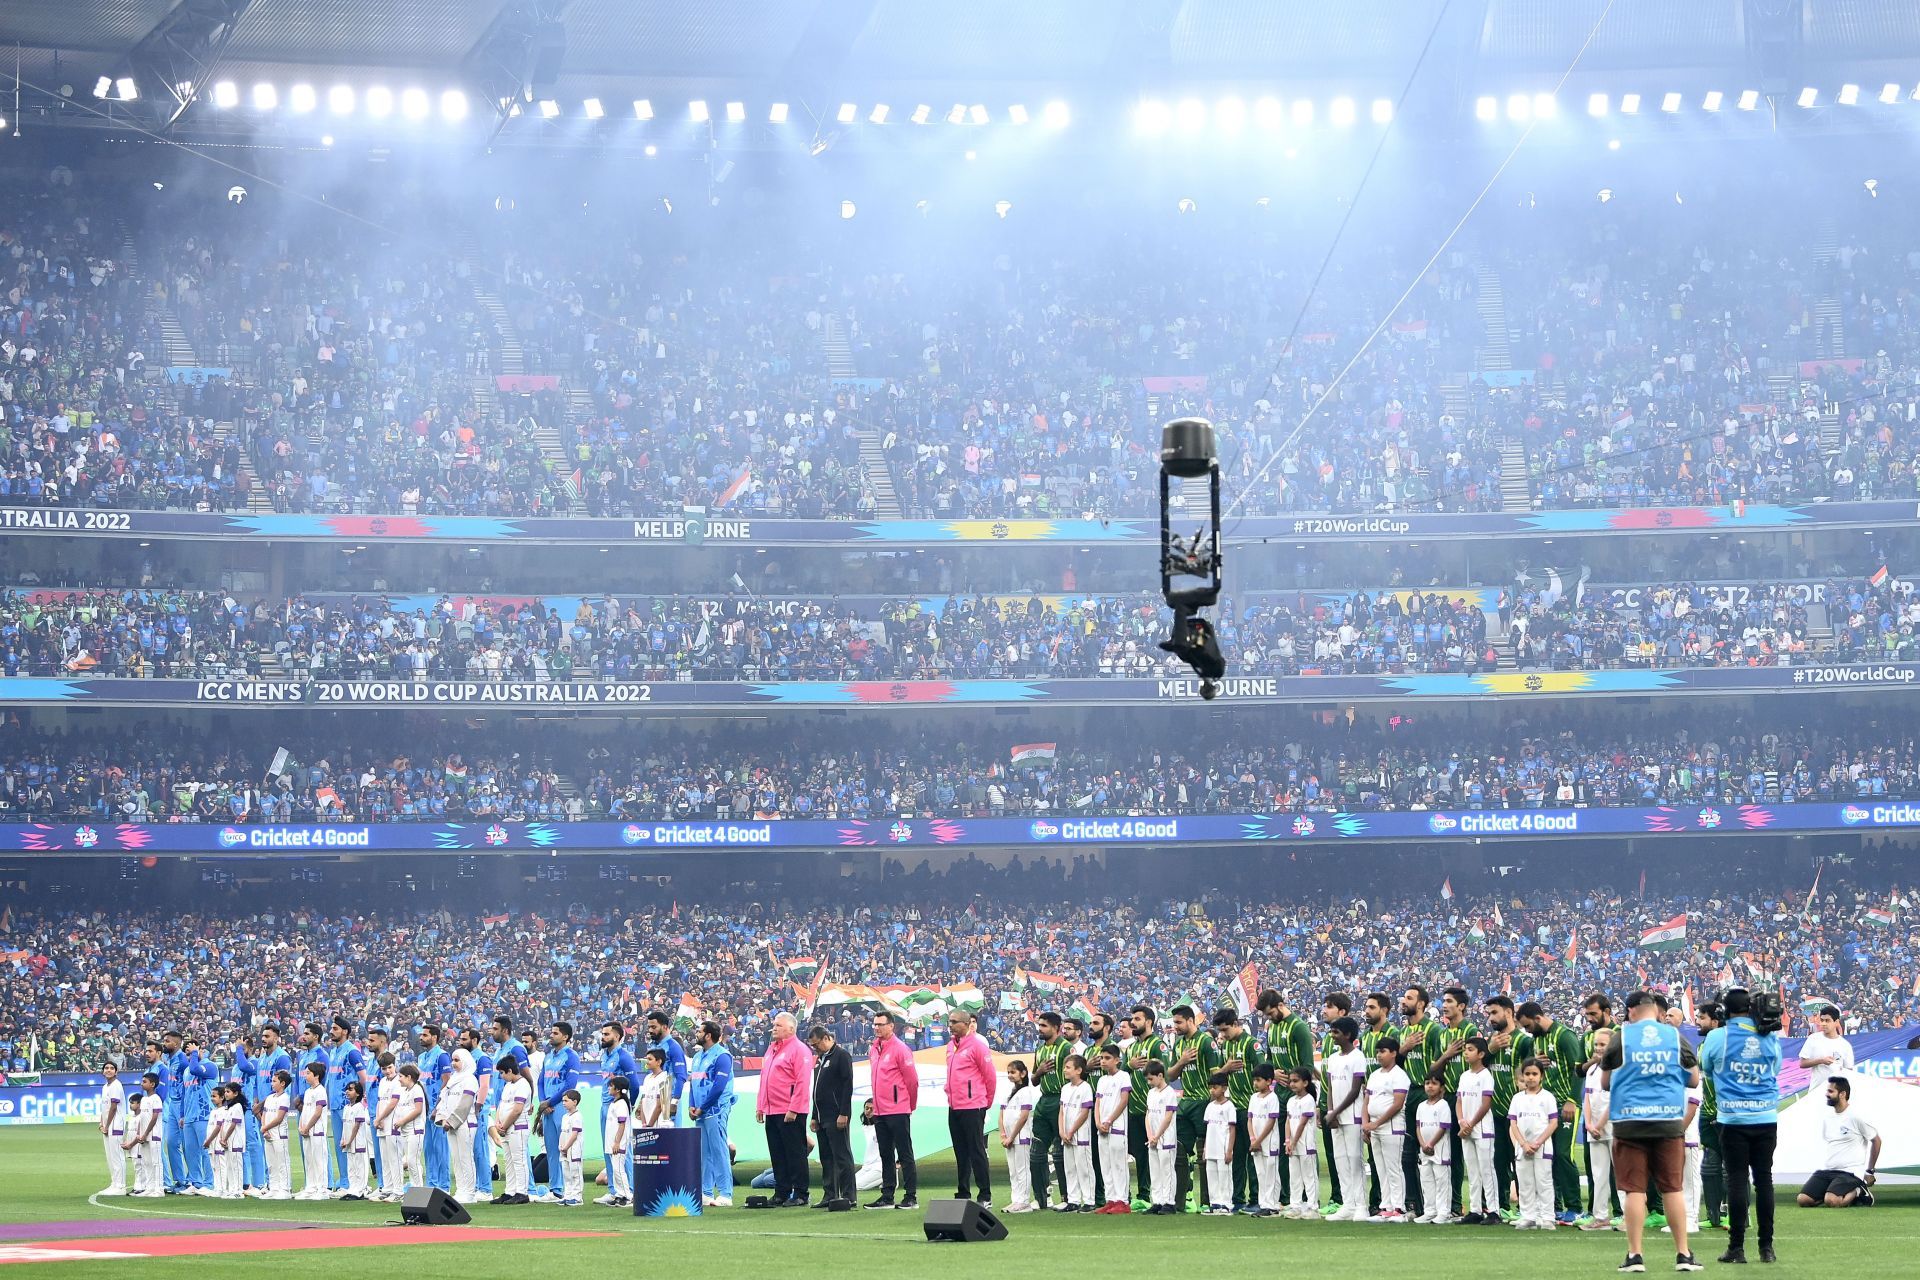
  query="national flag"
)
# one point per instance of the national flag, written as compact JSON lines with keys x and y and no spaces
{"x":455,"y":769}
{"x":1573,"y":948}
{"x":491,"y":921}
{"x":327,"y":795}
{"x":1042,"y":982}
{"x":1719,"y":948}
{"x":735,"y":489}
{"x":1411,"y":328}
{"x":850,"y":995}
{"x":1498,"y":922}
{"x":1879,"y":917}
{"x":689,"y":1014}
{"x":1811,"y":1005}
{"x":1242,"y":991}
{"x":1915,"y":992}
{"x":1622,"y":418}
{"x":1506,"y":985}
{"x":1686,"y":1004}
{"x":1818,"y":868}
{"x":279,"y":764}
{"x":1081,"y":1009}
{"x":1670,"y":936}
{"x":920,"y":1005}
{"x":1034,"y":753}
{"x":801,"y":968}
{"x":966,"y":995}
{"x":1446,"y":889}
{"x":1879,"y":578}
{"x":1010,"y":1002}
{"x":1477,"y":933}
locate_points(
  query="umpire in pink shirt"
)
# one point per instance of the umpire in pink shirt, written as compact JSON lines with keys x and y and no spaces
{"x":896,"y":1092}
{"x":786,"y":1087}
{"x":971,"y":1080}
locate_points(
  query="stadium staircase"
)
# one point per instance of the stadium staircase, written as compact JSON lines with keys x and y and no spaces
{"x":873,"y":455}
{"x":1516,"y":485}
{"x":1496,"y":351}
{"x":509,"y":357}
{"x":1829,"y":334}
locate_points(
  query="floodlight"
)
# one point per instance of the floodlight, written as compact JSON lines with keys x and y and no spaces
{"x":1809,"y":96}
{"x":778,"y":112}
{"x":103,"y":86}
{"x":1597,"y":104}
{"x":1629,"y":104}
{"x":594,"y":109}
{"x":921,"y":114}
{"x":1190,"y":114}
{"x":453,"y":106}
{"x":1712,"y":101}
{"x":1056,"y":115}
{"x":1267,"y":113}
{"x":1545,"y":106}
{"x":1890,"y":94}
{"x":414,"y":103}
{"x":847,"y":209}
{"x":128,"y":89}
{"x":1152,"y":117}
{"x":1519,"y":107}
{"x":879,"y":114}
{"x":380,"y":101}
{"x":1383,"y":110}
{"x":548,"y":108}
{"x":1017,"y":113}
{"x":697,"y":110}
{"x":226,"y":94}
{"x":1849,"y":94}
{"x":1670,"y":103}
{"x":1340,"y":111}
{"x":847,"y":112}
{"x":1303,"y":111}
{"x":340,"y":99}
{"x":958,"y":115}
{"x":302,"y":98}
{"x":1486,"y":108}
{"x":643,"y":109}
{"x":1003,"y":207}
{"x":1230,"y":114}
{"x":736,"y":113}
{"x":265,"y":97}
{"x":1749,"y":99}
{"x":977,"y":113}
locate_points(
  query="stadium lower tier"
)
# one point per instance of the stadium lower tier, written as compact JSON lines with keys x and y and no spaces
{"x":218,"y":950}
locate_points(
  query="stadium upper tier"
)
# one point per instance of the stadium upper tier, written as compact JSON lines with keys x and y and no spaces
{"x":1542,"y":624}
{"x":87,"y":994}
{"x":324,"y":369}
{"x":394,"y":773}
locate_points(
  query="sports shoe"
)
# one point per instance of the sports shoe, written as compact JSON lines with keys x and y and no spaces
{"x":1767,"y":1254}
{"x":1019,"y":1206}
{"x":719,"y":1202}
{"x":609,"y":1198}
{"x":1330,"y":1209}
{"x":1566,"y":1217}
{"x":883,"y":1202}
{"x":1634,"y":1263}
{"x":1736,"y":1256}
{"x":1656,"y":1219}
{"x":1121,"y":1206}
{"x":1509,"y":1215}
{"x":1472,"y":1219}
{"x":1597,"y":1224}
{"x":1687,"y":1262}
{"x":1444,"y":1220}
{"x":571,"y":1203}
{"x":908,"y":1203}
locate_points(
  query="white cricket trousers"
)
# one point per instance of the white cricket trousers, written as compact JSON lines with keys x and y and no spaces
{"x":460,"y":1155}
{"x":1019,"y":1172}
{"x":1113,"y":1165}
{"x":1436,"y":1180}
{"x":1386,"y":1149}
{"x":619,"y":1173}
{"x":1350,"y":1158}
{"x":413,"y":1158}
{"x":1220,"y":1182}
{"x":359,"y":1168}
{"x":390,"y":1163}
{"x":1266,"y":1173}
{"x":116,"y":1163}
{"x":279,"y":1165}
{"x":156,"y":1160}
{"x":1306,"y":1180}
{"x":1535,"y":1176}
{"x":1691,"y":1187}
{"x":1160,"y":1179}
{"x":513,"y":1160}
{"x":1483,"y":1189}
{"x":313,"y":1155}
{"x":1600,"y":1165}
{"x":1079,"y":1174}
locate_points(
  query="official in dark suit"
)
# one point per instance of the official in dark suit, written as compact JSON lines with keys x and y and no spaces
{"x":832,"y":1114}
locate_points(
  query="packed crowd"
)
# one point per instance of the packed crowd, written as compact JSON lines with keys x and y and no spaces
{"x":228,"y":960}
{"x":1021,"y":377}
{"x":388,"y":771}
{"x":51,"y":632}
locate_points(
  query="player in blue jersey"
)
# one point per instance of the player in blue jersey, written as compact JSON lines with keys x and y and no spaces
{"x":559,"y":1072}
{"x":196,"y":1105}
{"x":472,"y":1042}
{"x":505,"y":1046}
{"x":256,"y":1082}
{"x":660,"y":1036}
{"x":436,"y":1068}
{"x":345,"y":1063}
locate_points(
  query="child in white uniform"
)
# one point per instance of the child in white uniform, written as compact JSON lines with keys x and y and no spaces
{"x":134,"y":1143}
{"x":1473,"y":1112}
{"x":613,"y":1140}
{"x":236,"y":1139}
{"x":410,"y":1130}
{"x":1110,"y":1119}
{"x":113,"y":1129}
{"x":1163,"y":1138}
{"x":155,"y":1129}
{"x":386,"y":1106}
{"x":276,"y":1125}
{"x":1597,"y":1115}
{"x":1386,"y":1128}
{"x":1533,"y":1116}
{"x":1221,"y":1120}
{"x":1076,"y":1134}
{"x":1344,"y":1069}
{"x":573,"y":1149}
{"x":1264,"y":1123}
{"x":313,"y":1132}
{"x":1016,"y":1137}
{"x":655,"y":1090}
{"x":510,"y":1121}
{"x":1303,"y":1153}
{"x":1433,"y":1130}
{"x":356,"y":1139}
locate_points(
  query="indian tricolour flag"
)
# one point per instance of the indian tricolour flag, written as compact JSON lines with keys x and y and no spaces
{"x":689,"y":1014}
{"x":1023,"y":978}
{"x":1670,"y":936}
{"x":1879,"y":917}
{"x":1478,"y":933}
{"x":802,"y":968}
{"x":1032,"y":753}
{"x":966,"y":995}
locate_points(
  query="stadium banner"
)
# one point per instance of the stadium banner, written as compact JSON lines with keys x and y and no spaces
{"x":749,"y":530}
{"x":55,"y":1100}
{"x":669,"y":696}
{"x":748,"y":834}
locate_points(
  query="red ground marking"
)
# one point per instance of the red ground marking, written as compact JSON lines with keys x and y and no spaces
{"x":272,"y":1242}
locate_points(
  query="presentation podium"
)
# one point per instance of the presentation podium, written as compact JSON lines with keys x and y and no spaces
{"x":666,"y":1173}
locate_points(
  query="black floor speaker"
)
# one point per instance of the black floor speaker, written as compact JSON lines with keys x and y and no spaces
{"x":963,"y":1222}
{"x":432,"y":1207}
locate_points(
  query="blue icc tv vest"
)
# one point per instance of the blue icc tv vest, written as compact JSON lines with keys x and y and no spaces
{"x":1746,"y":1079}
{"x":1649,"y":1085}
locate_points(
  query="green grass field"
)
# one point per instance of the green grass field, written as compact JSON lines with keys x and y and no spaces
{"x":49,"y":1173}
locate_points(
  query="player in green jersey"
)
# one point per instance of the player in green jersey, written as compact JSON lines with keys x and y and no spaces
{"x":1455,"y":1031}
{"x":1289,"y":1047}
{"x":1146,"y":1045}
{"x":1710,"y":1016}
{"x":1556,"y":1046}
{"x":1195,"y":1060}
{"x":1374,"y":1012}
{"x":1049,"y":1074}
{"x":1099,"y":1036}
{"x":1503,"y":1063}
{"x":1333,"y":1007}
{"x":1419,"y":1038}
{"x":1240,"y":1054}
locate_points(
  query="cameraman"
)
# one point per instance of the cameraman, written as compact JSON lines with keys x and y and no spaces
{"x":1742,"y":1059}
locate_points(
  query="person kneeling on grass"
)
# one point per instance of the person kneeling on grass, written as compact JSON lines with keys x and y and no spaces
{"x":1853,"y":1152}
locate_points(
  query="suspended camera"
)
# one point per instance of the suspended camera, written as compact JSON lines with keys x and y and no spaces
{"x":1190,"y":567}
